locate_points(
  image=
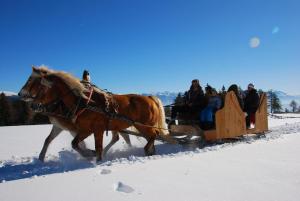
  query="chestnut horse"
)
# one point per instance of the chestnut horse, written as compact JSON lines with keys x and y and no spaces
{"x":94,"y":111}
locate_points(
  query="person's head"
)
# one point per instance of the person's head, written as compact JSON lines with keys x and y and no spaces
{"x":250,"y":87}
{"x":214,"y":92}
{"x":86,"y":76}
{"x":208,"y":89}
{"x":195,"y":84}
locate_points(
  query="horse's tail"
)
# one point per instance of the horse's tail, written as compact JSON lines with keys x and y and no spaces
{"x":163,"y":131}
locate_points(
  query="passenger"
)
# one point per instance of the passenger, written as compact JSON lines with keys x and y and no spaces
{"x":238,"y":94}
{"x":193,"y":101}
{"x":208,"y":92}
{"x":251,"y":103}
{"x":207,"y":115}
{"x":86,"y":79}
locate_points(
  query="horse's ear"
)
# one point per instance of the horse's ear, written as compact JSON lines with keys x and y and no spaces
{"x":36,"y":71}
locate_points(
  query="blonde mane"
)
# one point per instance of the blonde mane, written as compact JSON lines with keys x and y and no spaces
{"x":72,"y":82}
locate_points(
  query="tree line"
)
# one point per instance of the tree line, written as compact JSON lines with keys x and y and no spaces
{"x":14,"y":111}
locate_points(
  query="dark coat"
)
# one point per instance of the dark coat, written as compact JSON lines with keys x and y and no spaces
{"x":251,"y":101}
{"x":195,"y":98}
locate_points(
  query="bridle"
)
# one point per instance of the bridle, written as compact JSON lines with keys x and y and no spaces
{"x":50,"y":107}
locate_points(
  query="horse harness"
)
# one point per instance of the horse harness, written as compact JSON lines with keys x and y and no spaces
{"x":58,"y":108}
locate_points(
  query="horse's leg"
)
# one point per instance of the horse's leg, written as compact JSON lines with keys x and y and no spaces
{"x":126,"y":138}
{"x":82,"y":144}
{"x":150,"y":148}
{"x":150,"y":135}
{"x":98,"y":135}
{"x":114,"y":139}
{"x":53,"y":134}
{"x":75,"y":145}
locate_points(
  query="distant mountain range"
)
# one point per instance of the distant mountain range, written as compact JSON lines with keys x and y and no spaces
{"x":286,"y":99}
{"x":166,"y":97}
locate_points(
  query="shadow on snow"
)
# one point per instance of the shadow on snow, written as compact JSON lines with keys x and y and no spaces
{"x":71,"y":161}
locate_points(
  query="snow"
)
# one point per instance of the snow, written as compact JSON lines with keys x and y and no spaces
{"x":266,"y":168}
{"x":8,"y":93}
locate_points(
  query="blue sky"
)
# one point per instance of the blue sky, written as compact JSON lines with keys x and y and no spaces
{"x":135,"y":46}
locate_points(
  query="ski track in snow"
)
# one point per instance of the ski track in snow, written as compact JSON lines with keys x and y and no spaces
{"x":69,"y":160}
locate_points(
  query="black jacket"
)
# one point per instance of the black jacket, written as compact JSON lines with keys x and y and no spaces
{"x":251,"y":101}
{"x":195,"y":98}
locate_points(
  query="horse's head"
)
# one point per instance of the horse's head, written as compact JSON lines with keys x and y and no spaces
{"x":37,"y":87}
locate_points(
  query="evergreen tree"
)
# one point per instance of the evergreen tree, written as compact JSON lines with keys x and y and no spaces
{"x":39,"y":119}
{"x":168,"y":111}
{"x":223,"y":90}
{"x":23,"y":112}
{"x":260,"y":92}
{"x":4,"y":111}
{"x":294,"y":105}
{"x":274,"y":102}
{"x":179,"y":99}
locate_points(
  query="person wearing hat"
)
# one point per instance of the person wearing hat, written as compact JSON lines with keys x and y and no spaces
{"x":193,"y":101}
{"x":86,"y":79}
{"x":251,"y":103}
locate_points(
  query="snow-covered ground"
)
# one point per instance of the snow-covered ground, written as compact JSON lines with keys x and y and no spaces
{"x":264,"y":169}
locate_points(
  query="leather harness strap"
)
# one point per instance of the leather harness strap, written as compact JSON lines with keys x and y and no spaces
{"x":83,"y":109}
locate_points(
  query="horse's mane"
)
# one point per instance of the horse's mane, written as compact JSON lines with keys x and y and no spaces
{"x":71,"y":81}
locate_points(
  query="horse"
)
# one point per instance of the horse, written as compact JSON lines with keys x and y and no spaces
{"x":94,"y":111}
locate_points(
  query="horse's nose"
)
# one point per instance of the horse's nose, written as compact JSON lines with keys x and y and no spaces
{"x":21,"y":93}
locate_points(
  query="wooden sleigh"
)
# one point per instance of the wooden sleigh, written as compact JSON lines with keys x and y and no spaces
{"x":231,"y":121}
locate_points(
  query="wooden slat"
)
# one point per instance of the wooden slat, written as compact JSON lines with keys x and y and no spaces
{"x":261,"y":115}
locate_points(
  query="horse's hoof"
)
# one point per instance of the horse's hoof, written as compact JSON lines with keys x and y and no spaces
{"x":98,"y":158}
{"x":41,"y":158}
